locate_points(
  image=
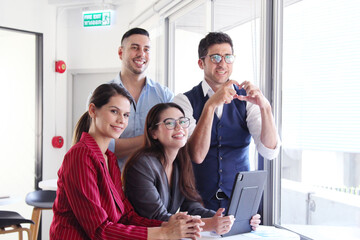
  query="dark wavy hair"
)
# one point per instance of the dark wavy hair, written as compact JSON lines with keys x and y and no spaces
{"x":152,"y":147}
{"x":211,"y":39}
{"x":99,"y":98}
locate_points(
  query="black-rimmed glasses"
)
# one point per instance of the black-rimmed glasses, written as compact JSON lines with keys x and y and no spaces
{"x":170,"y":123}
{"x":216,"y":58}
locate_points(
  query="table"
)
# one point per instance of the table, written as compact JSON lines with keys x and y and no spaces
{"x":326,"y":231}
{"x":263,"y":232}
{"x":7,"y":199}
{"x":50,"y":184}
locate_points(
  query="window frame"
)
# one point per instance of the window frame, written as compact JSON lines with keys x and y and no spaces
{"x":170,"y":30}
{"x":270,"y":81}
{"x":270,"y":84}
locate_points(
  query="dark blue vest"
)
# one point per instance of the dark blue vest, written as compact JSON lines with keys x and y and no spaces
{"x":229,"y":146}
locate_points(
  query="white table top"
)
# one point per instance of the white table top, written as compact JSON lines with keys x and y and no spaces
{"x":327,"y":232}
{"x":8,"y":199}
{"x":263,"y":232}
{"x":50,"y":184}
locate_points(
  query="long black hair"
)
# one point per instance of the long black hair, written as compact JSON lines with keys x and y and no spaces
{"x":153,"y":147}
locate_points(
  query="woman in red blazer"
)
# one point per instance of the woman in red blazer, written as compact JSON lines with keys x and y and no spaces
{"x":90,"y":202}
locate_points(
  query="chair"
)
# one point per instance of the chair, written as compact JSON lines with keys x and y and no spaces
{"x":41,"y":200}
{"x":12,"y":220}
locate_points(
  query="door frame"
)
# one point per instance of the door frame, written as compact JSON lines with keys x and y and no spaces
{"x":39,"y":76}
{"x":71,"y":74}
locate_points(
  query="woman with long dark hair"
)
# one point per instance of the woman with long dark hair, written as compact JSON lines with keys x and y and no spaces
{"x":90,"y":202}
{"x":159,"y":178}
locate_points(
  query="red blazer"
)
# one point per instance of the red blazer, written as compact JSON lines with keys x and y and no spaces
{"x":90,"y":202}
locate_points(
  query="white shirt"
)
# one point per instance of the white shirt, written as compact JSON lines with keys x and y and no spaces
{"x":253,"y":120}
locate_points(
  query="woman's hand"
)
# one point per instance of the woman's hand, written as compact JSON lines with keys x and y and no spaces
{"x":219,"y":223}
{"x":255,"y":221}
{"x":182,"y":225}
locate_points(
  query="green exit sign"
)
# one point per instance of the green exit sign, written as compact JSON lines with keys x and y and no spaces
{"x":96,"y":19}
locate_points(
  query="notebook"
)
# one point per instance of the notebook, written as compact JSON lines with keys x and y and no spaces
{"x":245,"y":200}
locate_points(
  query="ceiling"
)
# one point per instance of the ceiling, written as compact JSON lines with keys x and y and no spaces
{"x":138,"y":5}
{"x":227,"y":14}
{"x":91,"y":2}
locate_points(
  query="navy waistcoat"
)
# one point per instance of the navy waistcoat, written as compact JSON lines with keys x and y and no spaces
{"x":229,"y":146}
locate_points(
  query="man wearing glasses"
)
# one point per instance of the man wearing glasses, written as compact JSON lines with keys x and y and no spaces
{"x":224,"y":116}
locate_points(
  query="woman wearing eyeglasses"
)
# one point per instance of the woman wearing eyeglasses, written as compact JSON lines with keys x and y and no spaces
{"x":159,"y":178}
{"x":90,"y":202}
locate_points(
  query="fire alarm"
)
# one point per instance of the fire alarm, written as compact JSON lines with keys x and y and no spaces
{"x":60,"y":66}
{"x":57,"y":141}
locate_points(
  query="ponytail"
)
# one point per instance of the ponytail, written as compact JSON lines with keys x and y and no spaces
{"x":99,"y":98}
{"x":83,"y":125}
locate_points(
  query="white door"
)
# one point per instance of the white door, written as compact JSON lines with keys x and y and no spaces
{"x":82,"y":85}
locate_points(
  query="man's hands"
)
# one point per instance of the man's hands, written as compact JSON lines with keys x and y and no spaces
{"x":226,"y":94}
{"x":253,"y":95}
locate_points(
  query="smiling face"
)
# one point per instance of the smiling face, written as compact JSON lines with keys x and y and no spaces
{"x":216,"y":74}
{"x":111,"y":119}
{"x":172,"y":140}
{"x":135,"y":53}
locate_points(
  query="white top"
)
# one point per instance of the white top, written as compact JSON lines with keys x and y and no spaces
{"x":263,"y":232}
{"x":8,"y":199}
{"x":253,"y":120}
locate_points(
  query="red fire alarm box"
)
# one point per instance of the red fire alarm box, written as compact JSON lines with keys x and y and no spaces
{"x":60,"y":66}
{"x":57,"y":141}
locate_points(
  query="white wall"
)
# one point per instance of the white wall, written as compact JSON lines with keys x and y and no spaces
{"x":85,"y":49}
{"x":38,"y":16}
{"x":96,"y":47}
{"x":81,"y":48}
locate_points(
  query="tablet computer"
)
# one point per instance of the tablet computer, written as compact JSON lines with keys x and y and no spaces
{"x":245,"y":200}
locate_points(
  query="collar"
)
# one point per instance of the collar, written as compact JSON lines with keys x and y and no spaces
{"x":119,"y":81}
{"x":113,"y":172}
{"x":88,"y":140}
{"x":207,"y":90}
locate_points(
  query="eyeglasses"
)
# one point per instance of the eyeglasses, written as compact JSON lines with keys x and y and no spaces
{"x":170,"y":123}
{"x":216,"y":58}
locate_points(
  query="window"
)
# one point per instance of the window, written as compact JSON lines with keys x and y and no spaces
{"x":187,"y":29}
{"x":241,"y":20}
{"x":319,"y":109}
{"x":320,"y":181}
{"x":155,"y":63}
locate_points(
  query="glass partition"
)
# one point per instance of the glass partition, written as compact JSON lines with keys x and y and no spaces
{"x":241,"y":20}
{"x":187,"y":30}
{"x":320,"y":180}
